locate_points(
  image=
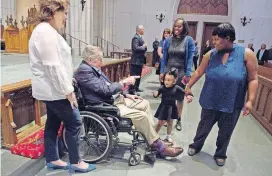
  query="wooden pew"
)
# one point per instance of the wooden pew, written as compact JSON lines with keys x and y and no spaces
{"x":22,"y":115}
{"x":262,"y":108}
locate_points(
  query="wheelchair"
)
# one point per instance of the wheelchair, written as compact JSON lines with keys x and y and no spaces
{"x":99,"y":133}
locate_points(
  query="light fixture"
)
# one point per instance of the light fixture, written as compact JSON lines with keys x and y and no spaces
{"x":160,"y":17}
{"x":82,"y":4}
{"x":245,"y":21}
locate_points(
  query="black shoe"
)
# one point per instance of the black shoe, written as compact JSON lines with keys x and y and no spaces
{"x":220,"y":161}
{"x":139,"y":90}
{"x":178,"y":125}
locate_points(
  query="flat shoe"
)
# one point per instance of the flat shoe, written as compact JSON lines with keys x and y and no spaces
{"x":191,"y":151}
{"x":74,"y":169}
{"x":220,"y":161}
{"x":51,"y":166}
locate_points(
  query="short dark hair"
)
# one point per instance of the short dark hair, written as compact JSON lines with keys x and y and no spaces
{"x":225,"y":30}
{"x":185,"y":30}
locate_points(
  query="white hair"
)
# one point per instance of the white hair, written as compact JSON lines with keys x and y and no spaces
{"x":91,"y":53}
{"x":139,"y":27}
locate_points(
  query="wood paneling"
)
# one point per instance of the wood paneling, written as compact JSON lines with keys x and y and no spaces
{"x":262,"y":108}
{"x":192,"y":29}
{"x":206,"y":7}
{"x":207,"y":35}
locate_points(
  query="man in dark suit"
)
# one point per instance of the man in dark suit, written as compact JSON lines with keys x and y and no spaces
{"x":262,"y":55}
{"x":97,"y":88}
{"x":138,"y":59}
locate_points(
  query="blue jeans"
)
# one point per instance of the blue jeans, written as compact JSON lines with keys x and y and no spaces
{"x":58,"y":111}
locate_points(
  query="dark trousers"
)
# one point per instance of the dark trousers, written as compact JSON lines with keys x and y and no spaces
{"x":195,"y":62}
{"x":226,"y":123}
{"x":135,"y":70}
{"x":58,"y":111}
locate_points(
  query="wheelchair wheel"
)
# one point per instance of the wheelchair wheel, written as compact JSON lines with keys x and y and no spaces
{"x":95,"y":138}
{"x":134,"y":159}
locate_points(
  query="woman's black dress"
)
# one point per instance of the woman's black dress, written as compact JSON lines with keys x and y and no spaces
{"x":176,"y":58}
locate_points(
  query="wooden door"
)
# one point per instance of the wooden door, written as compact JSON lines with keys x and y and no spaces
{"x":192,"y":29}
{"x":207,"y":35}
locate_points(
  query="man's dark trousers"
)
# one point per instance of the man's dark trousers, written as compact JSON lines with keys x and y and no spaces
{"x":135,"y":70}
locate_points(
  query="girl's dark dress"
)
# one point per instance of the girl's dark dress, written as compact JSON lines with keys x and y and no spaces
{"x":167,"y":110}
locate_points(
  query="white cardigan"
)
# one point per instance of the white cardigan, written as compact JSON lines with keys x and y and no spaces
{"x":51,"y":64}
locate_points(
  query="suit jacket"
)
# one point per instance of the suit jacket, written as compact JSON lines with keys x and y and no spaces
{"x":92,"y":83}
{"x":138,"y":50}
{"x":265,"y":55}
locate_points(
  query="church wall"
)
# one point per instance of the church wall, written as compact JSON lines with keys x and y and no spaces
{"x":8,"y":7}
{"x":22,"y":7}
{"x":201,"y":19}
{"x":80,"y":24}
{"x":130,"y":13}
{"x":259,"y":30}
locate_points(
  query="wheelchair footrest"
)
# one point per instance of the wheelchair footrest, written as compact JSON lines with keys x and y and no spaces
{"x":150,"y":158}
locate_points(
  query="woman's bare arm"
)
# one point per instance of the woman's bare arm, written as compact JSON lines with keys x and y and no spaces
{"x":252,"y":70}
{"x":200,"y":70}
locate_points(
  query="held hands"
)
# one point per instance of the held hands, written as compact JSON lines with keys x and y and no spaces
{"x":189,"y":98}
{"x":72,"y":99}
{"x":247,"y":108}
{"x":188,"y":94}
{"x":133,"y":97}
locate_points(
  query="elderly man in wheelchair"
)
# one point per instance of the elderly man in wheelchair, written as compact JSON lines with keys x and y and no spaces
{"x":107,"y":110}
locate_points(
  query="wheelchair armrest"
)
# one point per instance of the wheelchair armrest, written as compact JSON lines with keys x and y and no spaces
{"x":102,"y":108}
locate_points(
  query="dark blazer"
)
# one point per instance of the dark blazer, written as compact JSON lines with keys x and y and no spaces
{"x":93,"y":85}
{"x":138,"y":50}
{"x":265,"y":55}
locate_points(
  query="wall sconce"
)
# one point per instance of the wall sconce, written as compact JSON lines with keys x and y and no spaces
{"x":160,"y":17}
{"x":245,"y":21}
{"x":82,"y":4}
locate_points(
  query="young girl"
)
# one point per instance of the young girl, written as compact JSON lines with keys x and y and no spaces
{"x":167,"y":110}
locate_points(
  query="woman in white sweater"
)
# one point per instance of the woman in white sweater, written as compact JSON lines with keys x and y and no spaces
{"x":52,"y":70}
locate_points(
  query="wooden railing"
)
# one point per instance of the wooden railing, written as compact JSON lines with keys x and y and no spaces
{"x":120,"y":54}
{"x":81,"y":44}
{"x":105,"y":45}
{"x":262,"y":109}
{"x":22,"y":115}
